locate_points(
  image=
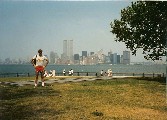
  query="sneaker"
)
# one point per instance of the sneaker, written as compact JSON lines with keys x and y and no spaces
{"x":43,"y":84}
{"x":35,"y":85}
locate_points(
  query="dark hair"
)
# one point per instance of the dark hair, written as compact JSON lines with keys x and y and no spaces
{"x":39,"y":50}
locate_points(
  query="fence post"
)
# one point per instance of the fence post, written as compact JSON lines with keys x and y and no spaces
{"x":153,"y":75}
{"x":28,"y":75}
{"x":87,"y":74}
{"x":78,"y":73}
{"x":143,"y":74}
{"x":163,"y":75}
{"x":133,"y":74}
{"x":96,"y":74}
{"x":17,"y":75}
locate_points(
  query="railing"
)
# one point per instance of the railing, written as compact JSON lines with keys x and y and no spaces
{"x":87,"y":74}
{"x":15,"y":75}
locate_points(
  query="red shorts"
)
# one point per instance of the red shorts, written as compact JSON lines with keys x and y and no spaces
{"x":39,"y":69}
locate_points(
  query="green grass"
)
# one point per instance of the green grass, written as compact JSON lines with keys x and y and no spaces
{"x":13,"y":79}
{"x":116,"y":99}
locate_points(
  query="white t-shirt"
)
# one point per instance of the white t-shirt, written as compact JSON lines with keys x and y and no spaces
{"x":40,"y":60}
{"x":72,"y":71}
{"x":64,"y":71}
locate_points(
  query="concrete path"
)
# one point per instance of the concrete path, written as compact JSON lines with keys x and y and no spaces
{"x":64,"y":79}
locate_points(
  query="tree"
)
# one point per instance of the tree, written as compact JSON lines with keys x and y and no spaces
{"x":143,"y":25}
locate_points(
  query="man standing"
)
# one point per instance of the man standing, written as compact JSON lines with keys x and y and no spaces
{"x":101,"y":72}
{"x":38,"y":61}
{"x":64,"y":72}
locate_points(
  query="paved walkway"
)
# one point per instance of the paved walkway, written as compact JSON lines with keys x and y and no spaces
{"x":63,"y":79}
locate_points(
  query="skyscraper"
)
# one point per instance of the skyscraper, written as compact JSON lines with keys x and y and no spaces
{"x":65,"y":47}
{"x":126,"y":57}
{"x":68,"y":49}
{"x":118,"y":59}
{"x":84,"y":53}
{"x":76,"y":59}
{"x":91,"y":53}
{"x":115,"y":58}
{"x":52,"y":57}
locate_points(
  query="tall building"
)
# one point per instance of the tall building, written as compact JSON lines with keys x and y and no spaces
{"x":52,"y":57}
{"x":121,"y":59}
{"x":76,"y":56}
{"x":115,"y":58}
{"x":84,"y":53}
{"x":65,"y":47}
{"x":91,"y":53}
{"x":126,"y":57}
{"x":76,"y":59}
{"x":68,"y":49}
{"x":118,"y":59}
{"x":110,"y":55}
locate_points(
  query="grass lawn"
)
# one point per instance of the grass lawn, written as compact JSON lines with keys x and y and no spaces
{"x":115,"y":99}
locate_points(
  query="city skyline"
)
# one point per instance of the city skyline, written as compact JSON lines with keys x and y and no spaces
{"x":99,"y":58}
{"x":26,"y":26}
{"x":66,"y":54}
{"x":86,"y":58}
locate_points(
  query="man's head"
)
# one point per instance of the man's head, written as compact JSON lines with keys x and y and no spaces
{"x":40,"y":52}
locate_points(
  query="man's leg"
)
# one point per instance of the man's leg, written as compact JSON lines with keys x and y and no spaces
{"x":42,"y":78}
{"x":36,"y":79}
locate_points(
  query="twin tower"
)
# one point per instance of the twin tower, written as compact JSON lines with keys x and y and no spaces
{"x":68,"y":49}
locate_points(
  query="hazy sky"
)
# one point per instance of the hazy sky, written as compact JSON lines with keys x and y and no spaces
{"x":27,"y":26}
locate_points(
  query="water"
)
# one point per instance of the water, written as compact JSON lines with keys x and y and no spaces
{"x":87,"y":68}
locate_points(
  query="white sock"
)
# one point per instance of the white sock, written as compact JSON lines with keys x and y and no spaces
{"x":43,"y":84}
{"x":35,"y":84}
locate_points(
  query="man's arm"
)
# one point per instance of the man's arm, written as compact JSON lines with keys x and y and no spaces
{"x":47,"y":61}
{"x":32,"y":62}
